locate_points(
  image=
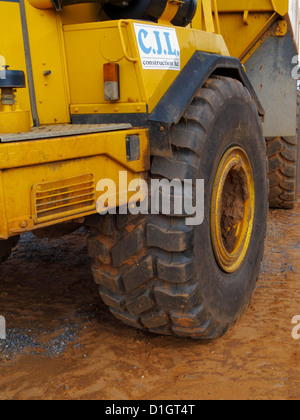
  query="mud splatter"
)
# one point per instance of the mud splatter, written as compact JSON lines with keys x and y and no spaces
{"x":235,"y":194}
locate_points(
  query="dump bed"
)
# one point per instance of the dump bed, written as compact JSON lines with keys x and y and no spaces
{"x":264,"y":35}
{"x":245,"y":24}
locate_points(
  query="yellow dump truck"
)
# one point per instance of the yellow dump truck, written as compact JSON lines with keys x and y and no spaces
{"x":161,"y":126}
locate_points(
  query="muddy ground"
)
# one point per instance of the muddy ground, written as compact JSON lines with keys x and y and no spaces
{"x":63,"y":343}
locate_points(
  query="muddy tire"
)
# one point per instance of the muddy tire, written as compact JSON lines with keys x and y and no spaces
{"x":6,"y":248}
{"x":158,"y":274}
{"x":284,"y":168}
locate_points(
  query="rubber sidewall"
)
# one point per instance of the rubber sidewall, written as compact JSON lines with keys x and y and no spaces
{"x":227,"y":295}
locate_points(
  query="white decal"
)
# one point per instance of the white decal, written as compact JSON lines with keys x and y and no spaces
{"x":158,"y":47}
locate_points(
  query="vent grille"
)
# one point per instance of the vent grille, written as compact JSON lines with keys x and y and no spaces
{"x":63,"y":198}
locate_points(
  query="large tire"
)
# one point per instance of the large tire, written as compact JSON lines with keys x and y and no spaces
{"x":160,"y":275}
{"x":284,"y":168}
{"x":6,"y":248}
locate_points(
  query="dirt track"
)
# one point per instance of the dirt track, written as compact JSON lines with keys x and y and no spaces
{"x":64,"y":344}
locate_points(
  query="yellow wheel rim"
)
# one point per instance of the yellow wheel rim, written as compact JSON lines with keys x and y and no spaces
{"x":232,"y":209}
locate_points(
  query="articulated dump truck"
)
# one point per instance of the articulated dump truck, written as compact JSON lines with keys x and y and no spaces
{"x":101,"y":100}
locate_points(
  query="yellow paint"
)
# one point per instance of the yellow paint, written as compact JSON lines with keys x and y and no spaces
{"x":25,"y":165}
{"x":59,"y":41}
{"x":47,"y":54}
{"x":244,"y":23}
{"x":146,"y":87}
{"x":207,"y":15}
{"x":64,"y":197}
{"x":41,"y":4}
{"x":170,"y":12}
{"x":279,"y":28}
{"x":11,"y":45}
{"x":13,"y":119}
{"x":80,"y":13}
{"x":117,"y":108}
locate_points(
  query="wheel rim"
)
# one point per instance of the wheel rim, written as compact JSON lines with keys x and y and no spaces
{"x":232,"y":209}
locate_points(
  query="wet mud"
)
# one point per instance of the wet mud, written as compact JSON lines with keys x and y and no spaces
{"x":63,"y":343}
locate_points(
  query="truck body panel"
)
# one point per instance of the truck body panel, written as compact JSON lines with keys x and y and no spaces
{"x":55,"y":179}
{"x":270,"y":70}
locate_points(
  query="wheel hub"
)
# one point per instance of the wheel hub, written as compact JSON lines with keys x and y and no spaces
{"x":232,"y":209}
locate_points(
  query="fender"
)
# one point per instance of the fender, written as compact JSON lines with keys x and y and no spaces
{"x":176,"y":100}
{"x":197,"y":71}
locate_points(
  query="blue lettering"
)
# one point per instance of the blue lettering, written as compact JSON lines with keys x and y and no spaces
{"x":157,"y":36}
{"x":170,"y":51}
{"x":141,"y":42}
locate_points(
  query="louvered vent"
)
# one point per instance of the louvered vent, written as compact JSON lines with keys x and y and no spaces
{"x":59,"y":199}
